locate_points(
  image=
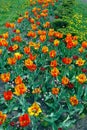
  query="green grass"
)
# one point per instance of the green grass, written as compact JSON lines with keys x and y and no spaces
{"x":10,"y":11}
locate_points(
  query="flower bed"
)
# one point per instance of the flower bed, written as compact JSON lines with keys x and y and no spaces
{"x":44,"y":73}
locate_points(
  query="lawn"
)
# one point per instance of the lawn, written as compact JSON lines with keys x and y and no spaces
{"x":10,"y":11}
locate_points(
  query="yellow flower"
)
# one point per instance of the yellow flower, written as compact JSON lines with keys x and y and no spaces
{"x":18,"y":55}
{"x":17,"y":31}
{"x":37,"y":46}
{"x":28,"y":62}
{"x":34,"y":110}
{"x":44,"y":49}
{"x":81,"y":78}
{"x":80,"y":62}
{"x":56,"y":42}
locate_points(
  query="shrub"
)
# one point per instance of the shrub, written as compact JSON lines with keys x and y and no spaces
{"x":75,"y":17}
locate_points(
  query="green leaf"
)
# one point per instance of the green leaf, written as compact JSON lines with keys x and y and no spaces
{"x":50,"y":118}
{"x":50,"y":105}
{"x":80,"y":91}
{"x":82,"y":116}
{"x":85,"y":94}
{"x":80,"y":108}
{"x":67,"y":122}
{"x":54,"y":127}
{"x":59,"y":113}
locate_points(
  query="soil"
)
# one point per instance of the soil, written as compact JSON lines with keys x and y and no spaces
{"x":1,"y":87}
{"x":80,"y":125}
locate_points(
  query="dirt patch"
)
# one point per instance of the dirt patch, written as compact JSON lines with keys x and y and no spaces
{"x":80,"y":125}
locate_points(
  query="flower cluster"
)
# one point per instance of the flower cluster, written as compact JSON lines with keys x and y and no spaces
{"x":43,"y":71}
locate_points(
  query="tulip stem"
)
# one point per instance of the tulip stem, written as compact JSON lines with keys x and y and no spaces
{"x":34,"y":125}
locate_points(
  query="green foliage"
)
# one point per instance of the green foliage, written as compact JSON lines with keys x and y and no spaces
{"x":59,"y":23}
{"x":65,"y":8}
{"x":10,"y":11}
{"x":74,"y":14}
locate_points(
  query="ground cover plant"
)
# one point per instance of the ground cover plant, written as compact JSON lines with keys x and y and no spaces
{"x":71,"y":17}
{"x":44,"y":72}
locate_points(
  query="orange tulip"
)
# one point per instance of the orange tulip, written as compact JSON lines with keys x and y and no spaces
{"x":5,"y":77}
{"x":73,"y":100}
{"x":55,"y":91}
{"x":81,"y":78}
{"x":20,"y":89}
{"x":44,"y":49}
{"x":20,"y":19}
{"x":15,"y":47}
{"x":80,"y":62}
{"x":31,"y":34}
{"x":36,"y":91}
{"x":5,"y":35}
{"x":42,"y":38}
{"x":53,"y":63}
{"x":84,"y":44}
{"x":27,"y":50}
{"x":3,"y":42}
{"x":11,"y":60}
{"x":18,"y":80}
{"x":66,"y":60}
{"x":55,"y":72}
{"x":2,"y":117}
{"x":65,"y":80}
{"x":52,"y":53}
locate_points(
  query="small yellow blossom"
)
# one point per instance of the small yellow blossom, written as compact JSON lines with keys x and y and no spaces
{"x":34,"y":110}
